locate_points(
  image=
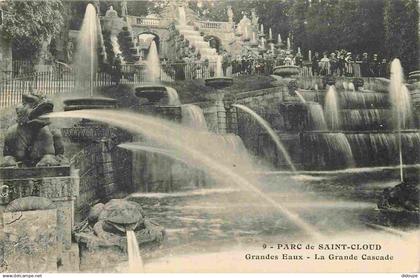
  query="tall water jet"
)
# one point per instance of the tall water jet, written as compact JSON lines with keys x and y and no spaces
{"x":401,"y":105}
{"x":289,"y":45}
{"x":331,"y":109}
{"x":182,"y":16}
{"x":195,"y":146}
{"x":153,"y":64}
{"x":86,"y":59}
{"x":135,"y":262}
{"x":219,"y":69}
{"x":271,"y":132}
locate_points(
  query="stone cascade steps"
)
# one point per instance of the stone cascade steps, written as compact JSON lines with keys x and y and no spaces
{"x":196,"y":40}
{"x":129,"y":48}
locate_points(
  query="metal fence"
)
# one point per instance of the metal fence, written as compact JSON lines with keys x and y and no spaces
{"x":59,"y":78}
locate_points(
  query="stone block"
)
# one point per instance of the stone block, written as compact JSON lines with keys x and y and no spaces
{"x":65,"y":222}
{"x":30,"y":241}
{"x":69,"y":260}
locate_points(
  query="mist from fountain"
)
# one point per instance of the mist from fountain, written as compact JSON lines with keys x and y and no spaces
{"x":271,"y":132}
{"x":197,"y":147}
{"x":332,"y":115}
{"x":153,"y":69}
{"x":86,"y":59}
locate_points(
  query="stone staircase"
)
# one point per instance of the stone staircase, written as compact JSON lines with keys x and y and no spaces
{"x":129,"y":48}
{"x":197,"y":40}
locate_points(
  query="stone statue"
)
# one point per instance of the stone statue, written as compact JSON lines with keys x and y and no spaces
{"x":31,"y":142}
{"x":254,"y":17}
{"x":70,"y":49}
{"x":107,"y":224}
{"x":124,"y":11}
{"x":111,"y":12}
{"x":230,"y":13}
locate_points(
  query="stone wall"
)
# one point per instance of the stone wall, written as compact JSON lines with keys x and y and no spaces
{"x":37,"y":240}
{"x":104,"y":168}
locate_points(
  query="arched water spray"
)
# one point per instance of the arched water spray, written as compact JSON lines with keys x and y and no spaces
{"x":192,"y":144}
{"x":271,"y":132}
{"x":86,"y":56}
{"x":153,"y":63}
{"x":401,"y":105}
{"x":301,"y":98}
{"x":332,"y":115}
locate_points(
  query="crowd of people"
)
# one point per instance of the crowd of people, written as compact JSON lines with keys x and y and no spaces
{"x":342,"y":63}
{"x":251,"y":62}
{"x":338,"y":63}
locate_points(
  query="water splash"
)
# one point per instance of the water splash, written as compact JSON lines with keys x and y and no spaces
{"x":173,"y":97}
{"x":327,"y":150}
{"x":351,"y":87}
{"x":153,"y":63}
{"x":271,"y":132}
{"x":86,"y":59}
{"x":192,"y":116}
{"x":331,"y":109}
{"x":193,"y":145}
{"x":316,"y":116}
{"x":135,"y":262}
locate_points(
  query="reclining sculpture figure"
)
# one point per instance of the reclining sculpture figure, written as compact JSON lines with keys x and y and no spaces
{"x":31,"y":142}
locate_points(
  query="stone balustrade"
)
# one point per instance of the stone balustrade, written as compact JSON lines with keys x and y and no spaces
{"x":146,"y":21}
{"x":221,"y":26}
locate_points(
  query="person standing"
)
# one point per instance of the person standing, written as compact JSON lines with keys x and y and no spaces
{"x":333,"y":63}
{"x":324,"y":65}
{"x":349,"y":64}
{"x":364,"y":65}
{"x":315,"y":64}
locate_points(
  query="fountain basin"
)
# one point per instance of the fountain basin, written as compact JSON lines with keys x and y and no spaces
{"x":89,"y":103}
{"x":286,"y":71}
{"x":157,"y":94}
{"x":219,"y":82}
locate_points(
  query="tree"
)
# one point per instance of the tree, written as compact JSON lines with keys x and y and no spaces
{"x":401,"y":19}
{"x":28,"y":24}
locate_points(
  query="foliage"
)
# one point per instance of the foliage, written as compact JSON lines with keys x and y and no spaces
{"x":401,"y":31}
{"x":386,"y":27}
{"x":29,"y":23}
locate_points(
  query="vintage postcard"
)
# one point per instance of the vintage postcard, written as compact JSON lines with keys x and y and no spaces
{"x":221,"y":136}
